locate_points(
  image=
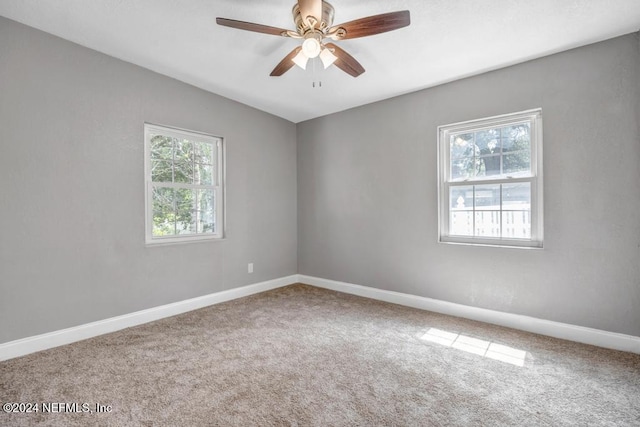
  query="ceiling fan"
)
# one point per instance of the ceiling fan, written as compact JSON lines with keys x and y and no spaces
{"x":314,"y":23}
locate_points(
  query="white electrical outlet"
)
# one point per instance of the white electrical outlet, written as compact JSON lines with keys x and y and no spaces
{"x":250,"y":267}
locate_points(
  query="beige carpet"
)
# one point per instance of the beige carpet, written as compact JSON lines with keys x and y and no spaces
{"x":300,"y":355}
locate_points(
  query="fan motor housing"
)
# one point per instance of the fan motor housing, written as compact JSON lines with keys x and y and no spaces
{"x":326,"y":21}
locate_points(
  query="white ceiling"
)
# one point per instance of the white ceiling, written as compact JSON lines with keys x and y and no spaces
{"x":447,"y":40}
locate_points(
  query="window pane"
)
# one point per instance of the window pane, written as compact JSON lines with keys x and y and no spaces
{"x":205,"y":200}
{"x":203,"y":152}
{"x":516,"y":196}
{"x":519,"y":161}
{"x":462,"y":146}
{"x":517,"y":137}
{"x":163,"y":211}
{"x":185,"y":199}
{"x":516,"y":148}
{"x":185,"y":208}
{"x":462,"y":153}
{"x":205,"y":222}
{"x":516,"y":224}
{"x":161,"y":147}
{"x":163,"y":198}
{"x":461,"y":212}
{"x":163,"y":224}
{"x":461,"y":223}
{"x":487,"y":223}
{"x":488,"y":141}
{"x":183,"y":151}
{"x":461,"y":197}
{"x":463,"y":168}
{"x":161,"y":171}
{"x":487,"y":197}
{"x":203,"y":174}
{"x":516,"y":210}
{"x":487,"y":215}
{"x":183,"y":163}
{"x":489,"y":166}
{"x":183,"y":172}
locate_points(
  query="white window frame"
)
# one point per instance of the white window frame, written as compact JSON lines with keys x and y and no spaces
{"x":217,"y":186}
{"x":534,"y":117}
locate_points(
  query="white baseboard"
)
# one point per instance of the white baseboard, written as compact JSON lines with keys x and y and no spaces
{"x":581,"y":334}
{"x":565,"y":331}
{"x":45,"y":341}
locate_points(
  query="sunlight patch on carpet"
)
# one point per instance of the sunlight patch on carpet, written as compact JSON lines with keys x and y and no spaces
{"x":477,"y":346}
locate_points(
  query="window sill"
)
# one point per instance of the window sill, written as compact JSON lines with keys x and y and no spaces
{"x":181,"y":241}
{"x":502,"y":243}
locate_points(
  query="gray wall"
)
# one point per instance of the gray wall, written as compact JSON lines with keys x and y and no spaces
{"x":72,"y":188}
{"x":367,"y":188}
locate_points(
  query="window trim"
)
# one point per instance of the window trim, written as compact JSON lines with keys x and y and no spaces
{"x":220,"y":188}
{"x":534,"y":116}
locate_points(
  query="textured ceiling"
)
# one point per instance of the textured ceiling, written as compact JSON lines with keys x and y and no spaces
{"x":447,"y":40}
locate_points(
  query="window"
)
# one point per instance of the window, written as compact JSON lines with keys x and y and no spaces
{"x":184,"y":185}
{"x":490,"y":180}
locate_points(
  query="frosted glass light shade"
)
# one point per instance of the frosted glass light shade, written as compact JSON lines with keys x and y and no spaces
{"x":327,"y":57}
{"x":301,"y":60}
{"x":311,"y":47}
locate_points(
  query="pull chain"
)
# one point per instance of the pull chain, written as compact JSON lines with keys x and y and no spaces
{"x":315,"y":83}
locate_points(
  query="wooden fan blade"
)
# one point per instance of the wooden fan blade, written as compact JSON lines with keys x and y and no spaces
{"x":346,"y":62}
{"x":311,"y":8}
{"x":286,"y":64}
{"x":249,"y":26}
{"x":373,"y":25}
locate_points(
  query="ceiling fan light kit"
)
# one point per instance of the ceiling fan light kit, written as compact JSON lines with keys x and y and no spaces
{"x":301,"y":60}
{"x":313,"y":20}
{"x":311,"y":47}
{"x":327,"y":57}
